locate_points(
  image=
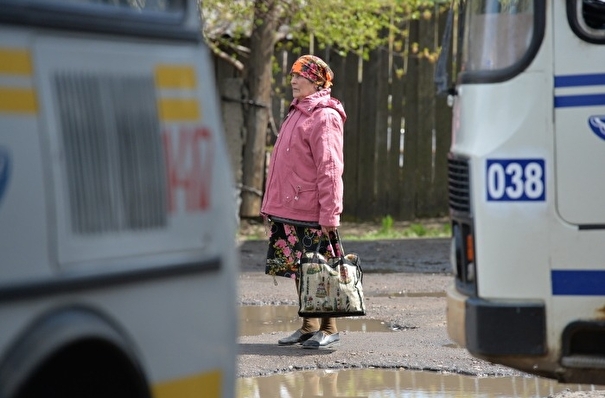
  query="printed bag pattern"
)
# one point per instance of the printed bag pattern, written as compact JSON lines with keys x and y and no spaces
{"x":330,"y":287}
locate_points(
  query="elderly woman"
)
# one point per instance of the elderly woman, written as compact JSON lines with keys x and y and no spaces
{"x":304,"y":191}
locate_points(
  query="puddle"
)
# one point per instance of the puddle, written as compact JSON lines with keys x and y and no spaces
{"x":410,"y":294}
{"x":259,"y":319}
{"x":398,"y":383}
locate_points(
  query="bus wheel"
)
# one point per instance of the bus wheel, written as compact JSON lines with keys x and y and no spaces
{"x":88,"y":368}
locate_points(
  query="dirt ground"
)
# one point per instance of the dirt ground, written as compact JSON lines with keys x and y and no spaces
{"x":404,"y":282}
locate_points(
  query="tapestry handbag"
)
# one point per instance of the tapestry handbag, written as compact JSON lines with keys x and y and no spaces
{"x":330,"y":287}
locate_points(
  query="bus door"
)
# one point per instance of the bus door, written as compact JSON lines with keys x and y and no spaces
{"x":579,"y":107}
{"x":577,"y":267}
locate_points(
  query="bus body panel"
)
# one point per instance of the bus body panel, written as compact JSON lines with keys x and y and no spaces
{"x":21,"y":168}
{"x":148,"y":312}
{"x":491,"y":137}
{"x":184,"y":228}
{"x":532,"y":296}
{"x":163,"y":277}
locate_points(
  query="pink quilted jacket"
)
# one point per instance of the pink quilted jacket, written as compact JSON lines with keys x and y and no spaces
{"x":305,"y":172}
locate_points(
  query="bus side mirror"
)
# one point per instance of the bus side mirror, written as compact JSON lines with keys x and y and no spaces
{"x":441,"y":79}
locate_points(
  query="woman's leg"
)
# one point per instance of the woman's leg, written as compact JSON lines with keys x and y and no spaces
{"x":327,"y":336}
{"x":328,"y":325}
{"x":310,"y":325}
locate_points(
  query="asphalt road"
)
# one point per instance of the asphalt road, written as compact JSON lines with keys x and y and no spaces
{"x":404,"y":283}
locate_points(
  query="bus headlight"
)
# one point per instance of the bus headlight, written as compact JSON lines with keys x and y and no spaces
{"x":453,"y":256}
{"x":457,"y":250}
{"x":470,"y":272}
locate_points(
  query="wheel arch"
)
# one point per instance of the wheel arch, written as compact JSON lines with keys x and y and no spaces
{"x":63,"y":335}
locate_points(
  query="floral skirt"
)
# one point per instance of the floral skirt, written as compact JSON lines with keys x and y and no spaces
{"x":288,"y":242}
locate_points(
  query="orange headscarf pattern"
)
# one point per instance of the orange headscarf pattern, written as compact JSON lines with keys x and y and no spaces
{"x":314,"y":69}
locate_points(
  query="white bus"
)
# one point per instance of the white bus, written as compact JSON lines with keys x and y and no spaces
{"x":526,"y":186}
{"x":118,"y":260}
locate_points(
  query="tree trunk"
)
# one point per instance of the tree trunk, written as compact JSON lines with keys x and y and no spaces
{"x":258,"y":80}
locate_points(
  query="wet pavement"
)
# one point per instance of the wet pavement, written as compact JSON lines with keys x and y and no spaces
{"x":399,"y":349}
{"x":381,"y":256}
{"x":255,"y":320}
{"x":410,"y":305}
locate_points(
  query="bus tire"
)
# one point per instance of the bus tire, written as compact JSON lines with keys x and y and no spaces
{"x":72,"y":352}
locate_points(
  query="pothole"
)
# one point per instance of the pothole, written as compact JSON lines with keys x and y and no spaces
{"x":258,"y":319}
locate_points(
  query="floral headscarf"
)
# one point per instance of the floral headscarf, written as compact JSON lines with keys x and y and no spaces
{"x":314,"y":69}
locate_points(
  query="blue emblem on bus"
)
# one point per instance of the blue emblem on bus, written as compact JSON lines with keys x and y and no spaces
{"x":516,"y":180}
{"x":597,"y":124}
{"x":5,"y":166}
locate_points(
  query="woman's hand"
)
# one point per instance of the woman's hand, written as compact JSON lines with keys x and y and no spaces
{"x":330,"y":232}
{"x":327,"y":229}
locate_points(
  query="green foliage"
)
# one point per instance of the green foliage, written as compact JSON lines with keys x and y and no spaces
{"x":388,"y":230}
{"x":417,"y":230}
{"x":387,"y":225}
{"x":227,"y":18}
{"x":348,"y":26}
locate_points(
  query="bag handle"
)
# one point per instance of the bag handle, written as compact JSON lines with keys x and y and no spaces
{"x":338,"y":251}
{"x":340,"y":246}
{"x":342,"y":255}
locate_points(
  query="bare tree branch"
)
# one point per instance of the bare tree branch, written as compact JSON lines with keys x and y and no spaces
{"x":226,"y":57}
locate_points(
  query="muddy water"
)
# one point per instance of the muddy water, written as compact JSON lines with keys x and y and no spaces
{"x":255,"y":320}
{"x":410,"y":294}
{"x":259,"y":319}
{"x":398,"y":383}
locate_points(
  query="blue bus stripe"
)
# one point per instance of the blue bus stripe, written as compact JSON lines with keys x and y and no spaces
{"x":578,"y":282}
{"x":565,"y":101}
{"x":580,"y":80}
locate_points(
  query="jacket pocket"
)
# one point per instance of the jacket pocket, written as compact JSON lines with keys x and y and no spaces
{"x":300,"y":194}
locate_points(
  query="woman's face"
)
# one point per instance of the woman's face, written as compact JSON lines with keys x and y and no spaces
{"x":301,"y":87}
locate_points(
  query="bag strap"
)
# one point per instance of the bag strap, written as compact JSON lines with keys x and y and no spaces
{"x":340,"y":246}
{"x":338,"y":250}
{"x":342,"y":255}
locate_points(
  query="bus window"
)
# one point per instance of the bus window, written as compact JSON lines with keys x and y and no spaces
{"x":114,"y":6}
{"x":152,"y":5}
{"x":587,"y":19}
{"x":168,"y":19}
{"x":497,"y":35}
{"x":593,"y":12}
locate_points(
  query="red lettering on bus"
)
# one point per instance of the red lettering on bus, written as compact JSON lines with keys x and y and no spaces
{"x":189,"y":157}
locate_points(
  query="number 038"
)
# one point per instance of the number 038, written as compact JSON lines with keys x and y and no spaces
{"x":515,"y":180}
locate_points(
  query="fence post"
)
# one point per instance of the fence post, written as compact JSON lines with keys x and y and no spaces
{"x":230,"y":90}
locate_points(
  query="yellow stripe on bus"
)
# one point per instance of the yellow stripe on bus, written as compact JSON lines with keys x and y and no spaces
{"x":175,"y":77}
{"x":15,"y":62}
{"x":202,"y":385}
{"x":18,"y":100}
{"x":179,"y":109}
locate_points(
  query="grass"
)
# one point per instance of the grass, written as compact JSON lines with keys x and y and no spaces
{"x":387,"y":228}
{"x":440,"y":228}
